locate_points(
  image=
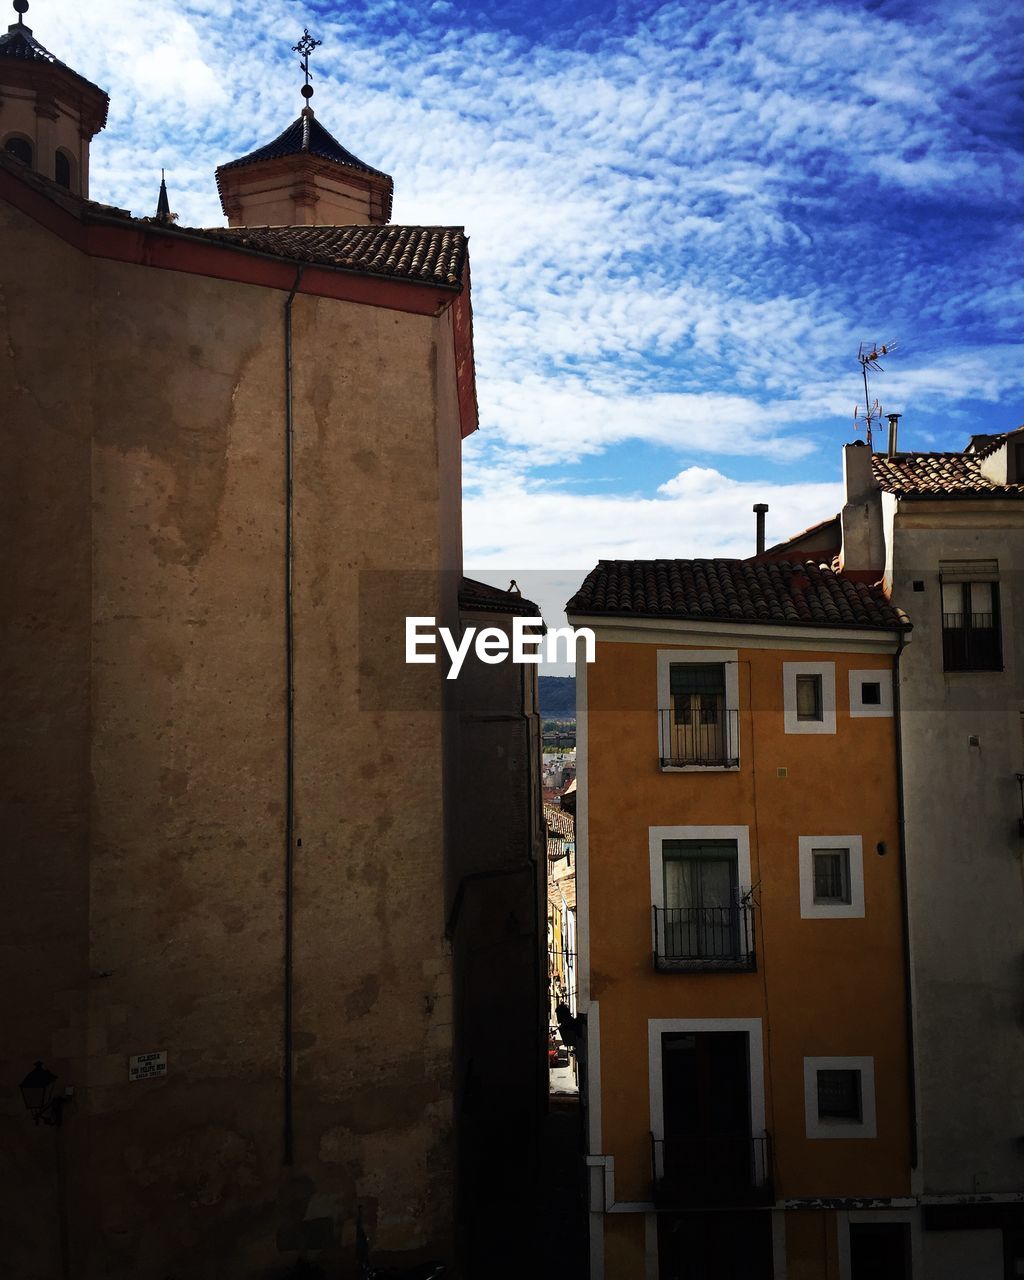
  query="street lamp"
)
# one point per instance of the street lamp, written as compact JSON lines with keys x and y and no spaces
{"x":37,"y":1092}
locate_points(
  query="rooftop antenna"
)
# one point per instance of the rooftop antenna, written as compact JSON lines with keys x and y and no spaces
{"x":868,"y":354}
{"x":306,"y":46}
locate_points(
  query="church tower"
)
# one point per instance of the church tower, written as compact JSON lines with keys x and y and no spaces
{"x":305,"y":177}
{"x":48,"y":113}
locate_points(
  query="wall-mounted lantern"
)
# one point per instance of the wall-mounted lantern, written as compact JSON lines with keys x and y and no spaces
{"x":37,"y":1092}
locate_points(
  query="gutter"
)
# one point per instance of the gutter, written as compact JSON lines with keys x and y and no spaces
{"x":289,"y":664}
{"x":905,"y":907}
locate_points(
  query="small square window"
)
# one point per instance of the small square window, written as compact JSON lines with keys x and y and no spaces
{"x":831,"y":875}
{"x":839,"y":1095}
{"x":871,"y":693}
{"x":808,"y":698}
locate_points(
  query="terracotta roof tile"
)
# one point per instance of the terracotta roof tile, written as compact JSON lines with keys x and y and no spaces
{"x":777,"y":591}
{"x":559,"y":820}
{"x":940,"y":475}
{"x":482,"y":596}
{"x":427,"y":255}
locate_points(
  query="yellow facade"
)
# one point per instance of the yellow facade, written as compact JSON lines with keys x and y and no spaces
{"x":827,"y":988}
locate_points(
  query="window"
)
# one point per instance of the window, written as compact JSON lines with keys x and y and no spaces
{"x":870,"y":693}
{"x":831,"y":877}
{"x":971,"y":639}
{"x":839,"y":1097}
{"x":831,"y":868}
{"x":699,"y":876}
{"x":809,"y":697}
{"x":62,"y":170}
{"x":697,"y":701}
{"x":20,"y":148}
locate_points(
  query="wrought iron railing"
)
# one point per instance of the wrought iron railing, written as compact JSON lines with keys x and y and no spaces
{"x":705,"y":939}
{"x":712,"y":1171}
{"x":695,"y":739}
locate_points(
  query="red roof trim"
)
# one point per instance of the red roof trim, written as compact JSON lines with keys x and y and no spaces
{"x":150,"y":245}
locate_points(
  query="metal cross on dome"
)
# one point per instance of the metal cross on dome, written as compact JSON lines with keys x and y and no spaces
{"x":306,"y":46}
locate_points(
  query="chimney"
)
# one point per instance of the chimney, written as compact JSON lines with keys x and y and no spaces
{"x":894,"y":422}
{"x":760,"y":508}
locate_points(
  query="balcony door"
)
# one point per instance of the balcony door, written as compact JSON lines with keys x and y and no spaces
{"x":706,"y":1099}
{"x":701,"y":915}
{"x":698,"y":712}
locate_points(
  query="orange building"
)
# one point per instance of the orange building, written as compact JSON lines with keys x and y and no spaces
{"x":741,"y":924}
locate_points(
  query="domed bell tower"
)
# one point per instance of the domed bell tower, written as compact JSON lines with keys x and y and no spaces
{"x":48,"y":113}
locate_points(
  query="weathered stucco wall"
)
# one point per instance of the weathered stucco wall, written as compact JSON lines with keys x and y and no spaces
{"x":964,"y":856}
{"x":147,"y":432}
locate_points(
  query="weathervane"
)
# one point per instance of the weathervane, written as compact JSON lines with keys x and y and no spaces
{"x":306,"y":46}
{"x":868,"y":354}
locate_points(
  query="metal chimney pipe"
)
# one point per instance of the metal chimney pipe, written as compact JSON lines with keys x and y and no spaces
{"x":894,"y":423}
{"x":760,"y":508}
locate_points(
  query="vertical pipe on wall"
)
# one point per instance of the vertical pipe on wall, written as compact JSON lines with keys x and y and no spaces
{"x":905,"y":904}
{"x":289,"y":662}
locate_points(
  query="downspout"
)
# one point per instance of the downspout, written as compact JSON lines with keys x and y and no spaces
{"x":905,"y":905}
{"x":289,"y":665}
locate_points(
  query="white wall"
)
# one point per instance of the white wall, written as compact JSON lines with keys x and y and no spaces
{"x":964,"y":858}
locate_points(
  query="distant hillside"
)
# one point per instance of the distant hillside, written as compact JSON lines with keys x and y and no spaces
{"x":557,"y":697}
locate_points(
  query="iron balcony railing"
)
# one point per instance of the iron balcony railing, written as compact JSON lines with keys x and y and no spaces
{"x":705,"y":939}
{"x":699,"y":739}
{"x":719,"y":1172}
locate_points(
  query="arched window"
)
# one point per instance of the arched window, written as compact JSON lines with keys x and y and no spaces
{"x":62,"y":170}
{"x":20,"y":148}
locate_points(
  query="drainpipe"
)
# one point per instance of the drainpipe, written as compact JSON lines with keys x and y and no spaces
{"x":289,"y":665}
{"x":905,"y":905}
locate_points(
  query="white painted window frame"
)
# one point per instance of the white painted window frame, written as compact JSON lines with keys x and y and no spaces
{"x":845,"y":1218}
{"x":817,"y":1128}
{"x":656,"y":837}
{"x":657,"y":1027}
{"x":729,"y":658}
{"x":827,"y":671}
{"x":860,"y":710}
{"x":811,"y":910}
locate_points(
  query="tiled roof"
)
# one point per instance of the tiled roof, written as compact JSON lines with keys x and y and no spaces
{"x":19,"y":42}
{"x":487,"y":599}
{"x":937,"y":475}
{"x":559,"y":820}
{"x":306,"y":134}
{"x":776,"y":591}
{"x":421,"y":255}
{"x":427,"y":255}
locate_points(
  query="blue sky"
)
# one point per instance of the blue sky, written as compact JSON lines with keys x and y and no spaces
{"x":683,"y":220}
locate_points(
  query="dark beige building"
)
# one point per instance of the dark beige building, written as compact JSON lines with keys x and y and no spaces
{"x":232,"y":463}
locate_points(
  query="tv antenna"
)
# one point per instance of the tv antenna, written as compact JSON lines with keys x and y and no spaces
{"x":868,"y":354}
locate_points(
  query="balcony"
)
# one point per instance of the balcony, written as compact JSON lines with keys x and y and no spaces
{"x":694,"y":739}
{"x":727,"y":1172}
{"x":704,"y":939}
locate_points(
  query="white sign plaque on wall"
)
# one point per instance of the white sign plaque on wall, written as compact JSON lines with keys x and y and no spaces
{"x":144,"y":1066}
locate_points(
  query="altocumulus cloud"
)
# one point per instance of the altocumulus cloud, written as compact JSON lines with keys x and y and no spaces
{"x":683,"y":219}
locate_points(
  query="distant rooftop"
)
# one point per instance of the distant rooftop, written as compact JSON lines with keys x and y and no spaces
{"x":778,"y":592}
{"x":943,"y":475}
